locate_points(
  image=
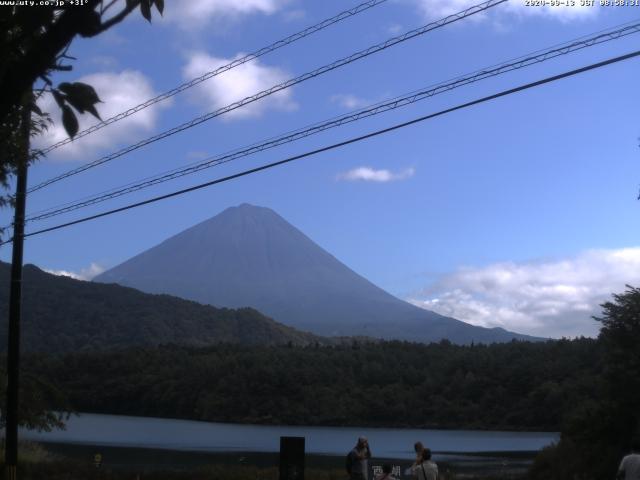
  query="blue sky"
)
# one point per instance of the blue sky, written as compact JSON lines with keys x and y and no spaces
{"x":519,"y":213}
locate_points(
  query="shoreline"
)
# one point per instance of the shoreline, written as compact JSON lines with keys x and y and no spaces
{"x":154,"y":459}
{"x":370,"y":426}
{"x":189,"y":435}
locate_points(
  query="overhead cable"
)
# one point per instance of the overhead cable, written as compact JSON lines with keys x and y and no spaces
{"x":398,"y":102}
{"x":224,"y":68}
{"x":277,"y":88}
{"x":339,"y":144}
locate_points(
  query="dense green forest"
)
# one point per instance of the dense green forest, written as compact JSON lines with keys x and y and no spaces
{"x":517,"y":385}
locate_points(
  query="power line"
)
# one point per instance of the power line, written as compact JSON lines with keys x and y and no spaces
{"x":340,"y":144}
{"x":276,"y":88}
{"x":521,"y":62}
{"x":224,"y":68}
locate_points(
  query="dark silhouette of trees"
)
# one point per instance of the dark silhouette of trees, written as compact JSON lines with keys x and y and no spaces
{"x":512,"y":386}
{"x":600,"y":429}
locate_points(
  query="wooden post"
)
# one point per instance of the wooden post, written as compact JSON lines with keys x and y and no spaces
{"x":15,"y":301}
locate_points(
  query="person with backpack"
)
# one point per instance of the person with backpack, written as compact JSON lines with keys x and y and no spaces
{"x":425,"y":468}
{"x":357,"y":460}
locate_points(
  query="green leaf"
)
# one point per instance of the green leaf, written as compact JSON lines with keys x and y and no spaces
{"x":65,"y":87}
{"x":145,"y":9}
{"x":87,"y":91}
{"x":81,"y":96}
{"x":80,"y":90}
{"x":160,"y":5}
{"x":92,"y":110}
{"x":58,"y":97}
{"x":90,"y":24}
{"x":69,"y":121}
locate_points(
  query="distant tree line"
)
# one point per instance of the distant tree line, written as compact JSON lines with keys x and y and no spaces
{"x":515,"y":386}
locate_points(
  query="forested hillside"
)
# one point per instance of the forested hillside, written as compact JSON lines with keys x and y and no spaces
{"x":517,"y":385}
{"x":61,"y":314}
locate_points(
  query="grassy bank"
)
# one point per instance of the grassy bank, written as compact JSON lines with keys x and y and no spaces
{"x":75,"y":462}
{"x":71,"y":470}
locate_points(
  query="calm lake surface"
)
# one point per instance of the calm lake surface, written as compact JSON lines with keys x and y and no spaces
{"x":160,"y":433}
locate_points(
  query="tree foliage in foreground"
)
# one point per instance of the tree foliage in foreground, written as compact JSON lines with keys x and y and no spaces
{"x":600,"y":429}
{"x":43,"y":406}
{"x":34,"y":44}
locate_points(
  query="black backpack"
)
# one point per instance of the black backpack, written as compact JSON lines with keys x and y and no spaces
{"x":348,"y":463}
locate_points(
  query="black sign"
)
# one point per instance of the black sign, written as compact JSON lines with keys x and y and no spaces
{"x":291,"y":458}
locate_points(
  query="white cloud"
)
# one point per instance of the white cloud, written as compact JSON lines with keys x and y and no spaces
{"x":349,"y":101}
{"x":435,"y":9}
{"x":195,"y":14}
{"x":295,"y":15}
{"x":552,"y":298}
{"x":395,"y":29}
{"x":104,"y":62}
{"x":238,"y":83}
{"x":84,"y":274}
{"x":118,"y":92}
{"x":369,"y":174}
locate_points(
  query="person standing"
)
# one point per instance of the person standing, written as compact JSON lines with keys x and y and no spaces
{"x":629,"y":468}
{"x":357,"y":460}
{"x":425,"y":468}
{"x":418,"y":447}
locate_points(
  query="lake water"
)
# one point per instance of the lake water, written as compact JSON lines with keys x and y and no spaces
{"x":160,"y":433}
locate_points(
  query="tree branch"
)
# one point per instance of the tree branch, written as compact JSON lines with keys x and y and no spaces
{"x":111,"y":4}
{"x":131,"y":6}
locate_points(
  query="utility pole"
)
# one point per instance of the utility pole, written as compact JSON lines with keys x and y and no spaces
{"x":15,"y":300}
